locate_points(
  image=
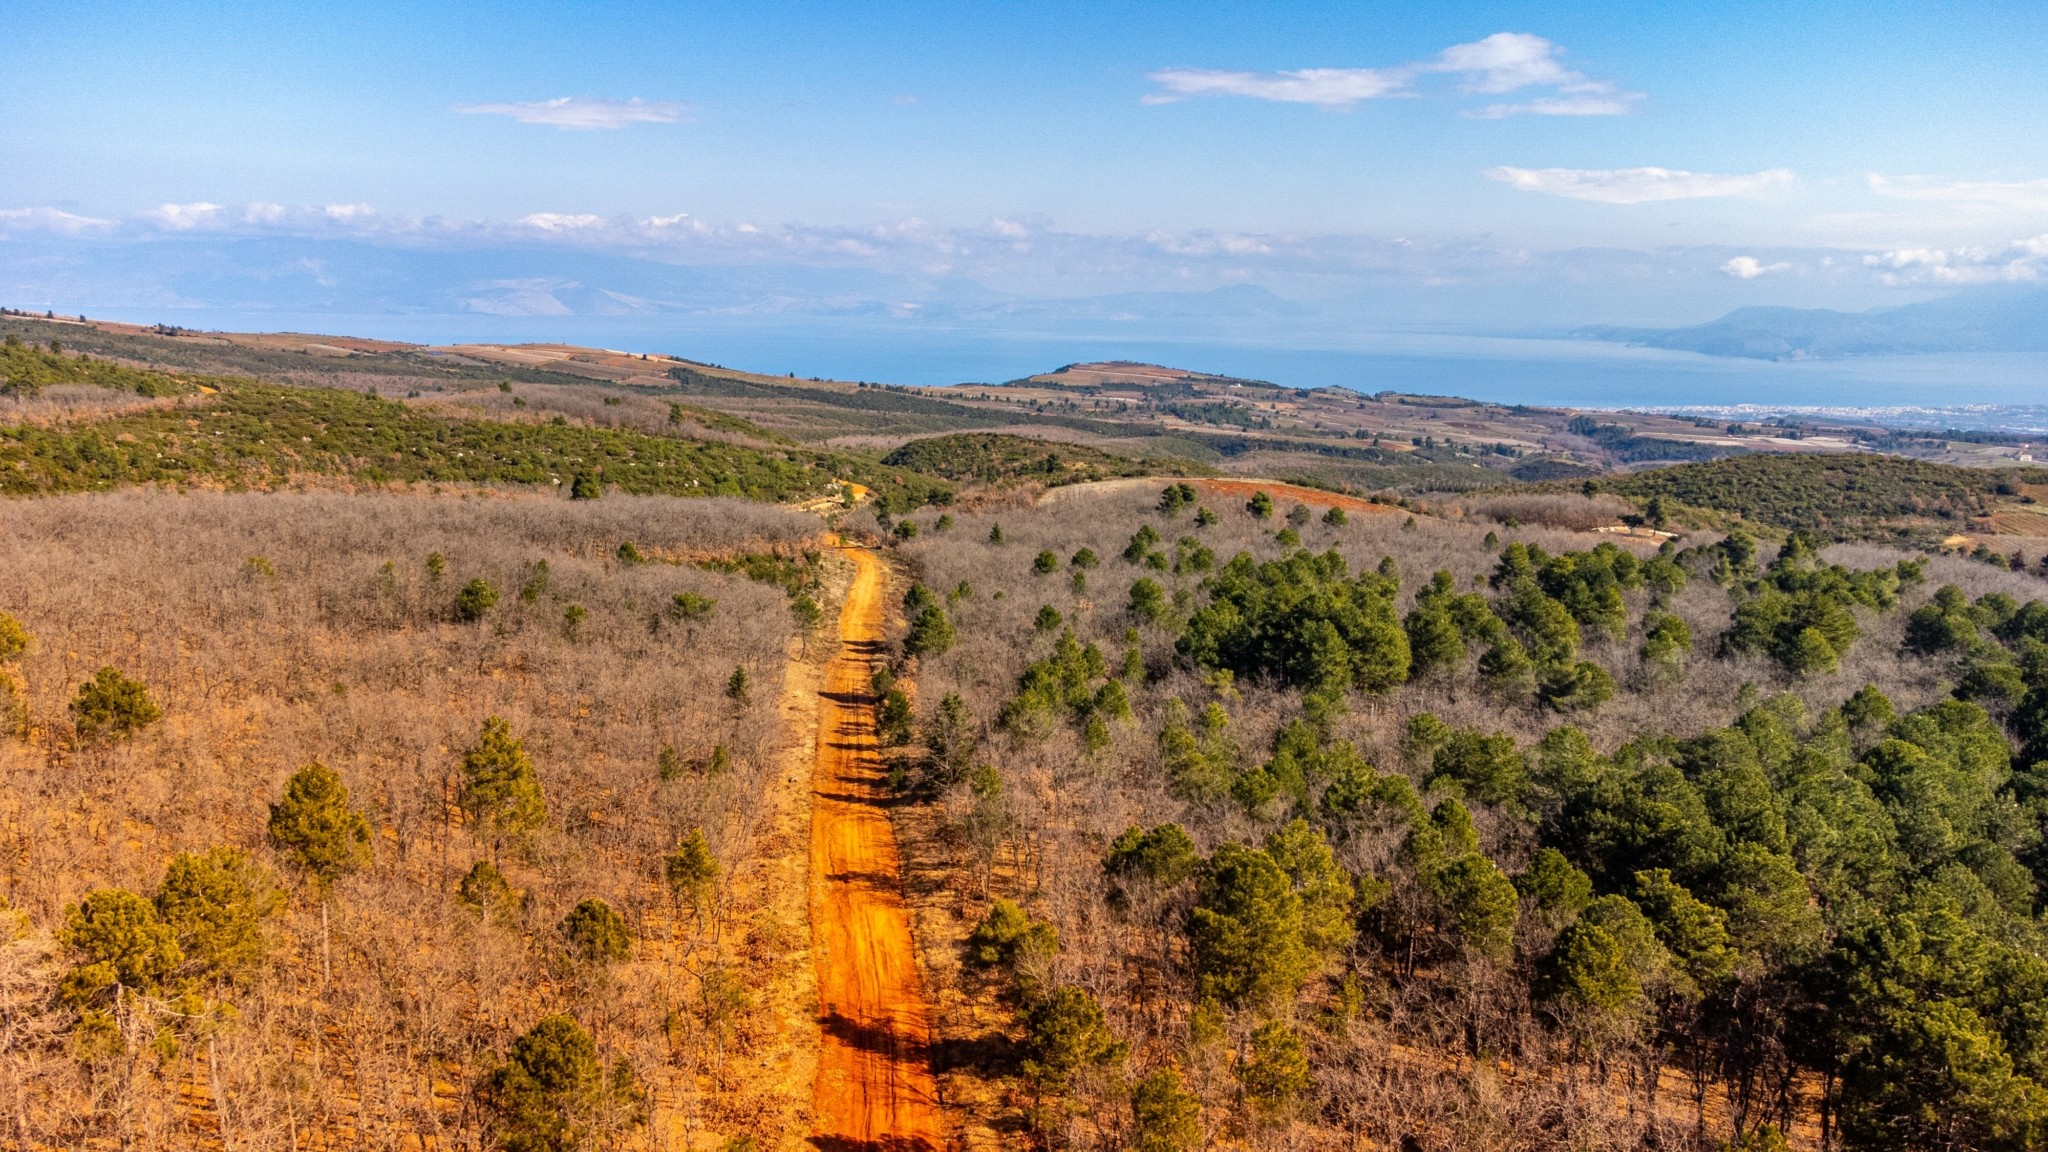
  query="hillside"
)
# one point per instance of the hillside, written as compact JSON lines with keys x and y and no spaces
{"x":122,"y":405}
{"x":1996,"y":319}
{"x":992,"y":458}
{"x":264,"y":436}
{"x":1180,"y":794}
{"x":481,"y":794}
{"x":1843,"y":497}
{"x":1382,"y":831}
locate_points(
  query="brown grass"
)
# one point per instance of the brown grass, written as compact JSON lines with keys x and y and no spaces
{"x":332,"y":659}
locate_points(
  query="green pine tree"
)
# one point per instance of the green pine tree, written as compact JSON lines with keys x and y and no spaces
{"x":596,"y":934}
{"x":553,"y":1093}
{"x":691,"y":872}
{"x":499,"y":788}
{"x":316,"y":829}
{"x":111,"y":706}
{"x":1165,"y":1116}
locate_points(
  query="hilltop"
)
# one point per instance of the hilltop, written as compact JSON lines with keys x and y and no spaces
{"x":1996,"y":319}
{"x":117,"y":404}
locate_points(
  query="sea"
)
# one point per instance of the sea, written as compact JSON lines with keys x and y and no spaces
{"x":1983,"y":391}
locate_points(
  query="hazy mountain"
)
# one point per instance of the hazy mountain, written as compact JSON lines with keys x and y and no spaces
{"x":298,"y":275}
{"x":2000,"y":319}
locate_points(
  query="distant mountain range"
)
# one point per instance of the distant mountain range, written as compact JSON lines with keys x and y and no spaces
{"x":1999,"y":319}
{"x":296,"y":275}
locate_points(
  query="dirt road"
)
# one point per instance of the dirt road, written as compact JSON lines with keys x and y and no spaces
{"x":874,"y":1091}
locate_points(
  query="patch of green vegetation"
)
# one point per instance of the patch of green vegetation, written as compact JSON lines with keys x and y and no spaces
{"x":1231,"y":415}
{"x":993,"y":458}
{"x":186,"y":352}
{"x":1840,"y":497}
{"x":793,"y":574}
{"x":1303,"y":620}
{"x":261,"y":435}
{"x":1799,"y":611}
{"x":1622,"y":441}
{"x":26,"y":369}
{"x":717,"y":421}
{"x":876,"y":399}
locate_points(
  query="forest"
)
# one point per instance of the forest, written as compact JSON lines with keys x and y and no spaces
{"x":1259,"y":826}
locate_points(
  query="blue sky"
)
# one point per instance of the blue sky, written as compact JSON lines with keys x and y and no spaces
{"x":1842,"y":154}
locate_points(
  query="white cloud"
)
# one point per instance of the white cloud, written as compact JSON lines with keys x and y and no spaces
{"x":1328,"y":87}
{"x":1507,"y":62}
{"x":2015,"y":195}
{"x":184,"y":217}
{"x":1502,"y":63}
{"x":1749,"y":268}
{"x":583,"y":113}
{"x":1587,"y":105}
{"x":2023,"y":259}
{"x":49,"y":220}
{"x":561,"y":222}
{"x":1635,"y":185}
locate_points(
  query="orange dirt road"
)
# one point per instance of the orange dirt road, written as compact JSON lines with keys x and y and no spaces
{"x":874,"y":1091}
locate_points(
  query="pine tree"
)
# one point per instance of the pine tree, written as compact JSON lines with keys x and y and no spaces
{"x":691,"y":872}
{"x":121,"y":944}
{"x":476,"y":598}
{"x":552,"y":1093}
{"x":215,"y":903}
{"x":952,"y":740}
{"x":1165,"y":1116}
{"x":690,"y":606}
{"x":1434,"y":642}
{"x":112,"y":706}
{"x":1066,"y":1032}
{"x":1164,"y":856}
{"x":485,"y":889}
{"x":1246,"y":932}
{"x":1009,"y":938}
{"x":499,"y":787}
{"x":931,"y":633}
{"x":14,"y":639}
{"x":316,"y":829}
{"x":1148,"y":600}
{"x":1323,"y":885}
{"x":1275,"y":1069}
{"x":596,"y":934}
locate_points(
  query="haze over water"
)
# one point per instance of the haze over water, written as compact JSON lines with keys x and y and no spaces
{"x":1507,"y":370}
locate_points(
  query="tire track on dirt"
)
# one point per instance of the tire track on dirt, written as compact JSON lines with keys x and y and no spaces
{"x":874,"y":1090}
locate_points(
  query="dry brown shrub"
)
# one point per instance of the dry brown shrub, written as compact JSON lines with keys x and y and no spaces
{"x":341,"y":647}
{"x":1551,"y":510}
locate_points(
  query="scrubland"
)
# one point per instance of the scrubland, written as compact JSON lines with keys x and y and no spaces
{"x":1165,"y":906}
{"x":271,"y":632}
